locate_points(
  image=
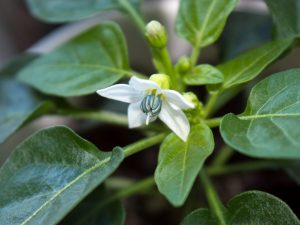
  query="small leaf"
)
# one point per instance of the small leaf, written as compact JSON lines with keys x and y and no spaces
{"x":250,"y":64}
{"x":49,"y":174}
{"x":248,"y":208}
{"x":269,"y":126}
{"x":59,"y":11}
{"x":180,"y":162}
{"x":203,"y":74}
{"x":202,"y":21}
{"x":255,"y":207}
{"x":93,"y":60}
{"x":286,"y":16}
{"x":93,"y":210}
{"x":18,"y":104}
{"x":199,"y":217}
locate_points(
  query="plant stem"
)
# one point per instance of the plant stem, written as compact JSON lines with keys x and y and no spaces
{"x":213,"y":198}
{"x":210,"y":104}
{"x":143,"y":144}
{"x":137,"y":187}
{"x":225,"y":153}
{"x":242,"y":167}
{"x":195,"y":55}
{"x":102,"y":116}
{"x":134,"y":15}
{"x":163,"y":63}
{"x":214,"y":122}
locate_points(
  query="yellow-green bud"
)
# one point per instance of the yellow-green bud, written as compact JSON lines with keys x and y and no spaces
{"x":183,"y":65}
{"x":191,"y":97}
{"x":162,"y":80}
{"x":156,"y":34}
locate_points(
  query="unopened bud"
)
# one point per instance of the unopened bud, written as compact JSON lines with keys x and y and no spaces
{"x":156,"y":34}
{"x":162,"y":80}
{"x":183,"y":65}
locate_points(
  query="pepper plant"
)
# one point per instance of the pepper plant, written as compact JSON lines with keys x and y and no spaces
{"x":47,"y":179}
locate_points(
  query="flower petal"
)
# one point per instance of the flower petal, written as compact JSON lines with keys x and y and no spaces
{"x":175,"y":98}
{"x":143,"y":85}
{"x":136,"y":117}
{"x":121,"y":92}
{"x":175,"y":120}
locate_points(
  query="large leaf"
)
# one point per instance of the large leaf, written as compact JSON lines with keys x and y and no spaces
{"x":269,"y":127}
{"x":48,"y":174}
{"x":18,"y":104}
{"x":93,"y":60}
{"x":247,"y":66}
{"x":70,"y":10}
{"x":180,"y":162}
{"x":249,"y":208}
{"x":286,"y":16}
{"x":202,"y":21}
{"x":95,"y":210}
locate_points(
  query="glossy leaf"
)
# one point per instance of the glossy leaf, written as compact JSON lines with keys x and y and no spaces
{"x":48,"y":174}
{"x":93,"y":60}
{"x":203,"y":74}
{"x":286,"y":16}
{"x":250,"y":64}
{"x":202,"y":21}
{"x":248,"y":208}
{"x":180,"y":162}
{"x":95,"y":210}
{"x":69,"y":10}
{"x":269,"y":126}
{"x":18,"y":104}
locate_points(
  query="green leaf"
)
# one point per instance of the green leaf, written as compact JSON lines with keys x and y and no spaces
{"x":199,"y":217}
{"x":286,"y":16}
{"x":18,"y":104}
{"x":49,"y":173}
{"x":93,"y":60}
{"x":180,"y":162}
{"x":94,"y":210}
{"x":58,"y":11}
{"x":249,"y":208}
{"x":203,"y":74}
{"x":202,"y":21}
{"x":269,"y":126}
{"x":250,"y":64}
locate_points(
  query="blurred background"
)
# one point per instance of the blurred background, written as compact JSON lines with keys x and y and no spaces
{"x":249,"y":26}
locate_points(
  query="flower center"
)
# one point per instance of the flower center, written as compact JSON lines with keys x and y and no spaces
{"x":151,"y":106}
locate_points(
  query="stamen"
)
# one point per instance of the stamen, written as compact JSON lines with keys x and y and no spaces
{"x":151,"y":106}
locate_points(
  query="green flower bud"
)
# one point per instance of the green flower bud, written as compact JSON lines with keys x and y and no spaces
{"x":162,"y":80}
{"x":156,"y":34}
{"x":183,"y":65}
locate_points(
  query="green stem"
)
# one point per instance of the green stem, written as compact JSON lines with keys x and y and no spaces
{"x":210,"y":104}
{"x":223,"y":156}
{"x":195,"y":55}
{"x":214,"y":122}
{"x":137,"y":187}
{"x":213,"y":198}
{"x":102,"y":116}
{"x":243,"y":167}
{"x":163,"y":63}
{"x":143,"y":144}
{"x":134,"y":15}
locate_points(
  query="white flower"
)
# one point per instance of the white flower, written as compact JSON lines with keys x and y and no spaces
{"x":148,"y":101}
